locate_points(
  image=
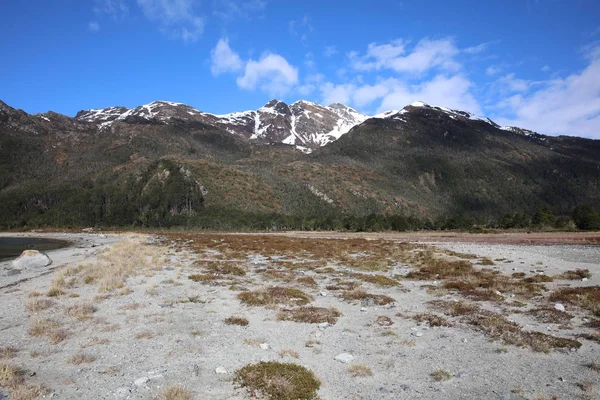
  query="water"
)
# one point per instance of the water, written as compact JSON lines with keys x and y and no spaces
{"x":12,"y":247}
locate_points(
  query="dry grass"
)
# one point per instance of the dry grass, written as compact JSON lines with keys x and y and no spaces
{"x":307,"y":281}
{"x":8,"y":352}
{"x":241,"y":321}
{"x":549,"y":315}
{"x":432,"y":320}
{"x":57,"y":335}
{"x":278,"y":381}
{"x":218,"y":268}
{"x":454,"y":308}
{"x":275,"y":295}
{"x":360,"y":294}
{"x":37,"y":305}
{"x":174,"y":392}
{"x":35,"y":293}
{"x":379,"y":280}
{"x":82,"y":311}
{"x":131,"y":307}
{"x":55,"y":291}
{"x":42,"y":327}
{"x":440,"y":375}
{"x":574,"y":275}
{"x":12,"y":378}
{"x":94,"y":341}
{"x":383,"y":320}
{"x":310,"y":315}
{"x":203,"y":277}
{"x":81,"y":358}
{"x":288,"y":353}
{"x":594,"y":366}
{"x":585,"y":297}
{"x":359,"y":370}
{"x":344,"y":285}
{"x":144,"y":335}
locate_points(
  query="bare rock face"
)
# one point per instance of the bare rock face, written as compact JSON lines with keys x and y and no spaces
{"x":31,"y":259}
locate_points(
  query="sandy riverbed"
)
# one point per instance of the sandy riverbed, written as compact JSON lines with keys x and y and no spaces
{"x":162,"y":328}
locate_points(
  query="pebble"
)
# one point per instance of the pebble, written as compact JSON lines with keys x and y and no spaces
{"x":220,"y":370}
{"x":584,"y":279}
{"x":264,"y":346}
{"x":363,"y":309}
{"x":141,"y":381}
{"x":417,"y":334}
{"x":323,"y":325}
{"x":324,"y":294}
{"x":559,"y":307}
{"x":464,"y":340}
{"x":344,"y":358}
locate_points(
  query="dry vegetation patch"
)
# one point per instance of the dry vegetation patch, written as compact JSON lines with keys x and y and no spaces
{"x":432,"y":319}
{"x":13,"y":379}
{"x":37,"y":305}
{"x":587,"y":297}
{"x":574,"y":275}
{"x":241,"y":321}
{"x":310,"y":315}
{"x":278,"y":381}
{"x":275,"y":295}
{"x":174,"y":392}
{"x":82,"y":311}
{"x":357,"y":370}
{"x":307,"y":281}
{"x":8,"y":352}
{"x":81,"y":358}
{"x":379,"y":280}
{"x":360,"y":294}
{"x":440,"y":375}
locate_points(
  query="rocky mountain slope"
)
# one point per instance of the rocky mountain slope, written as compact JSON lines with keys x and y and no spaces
{"x":169,"y":164}
{"x":303,"y":124}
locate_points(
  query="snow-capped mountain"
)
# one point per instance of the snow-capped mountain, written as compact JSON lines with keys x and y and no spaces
{"x":304,"y":124}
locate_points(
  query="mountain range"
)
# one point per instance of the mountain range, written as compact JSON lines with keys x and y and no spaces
{"x":167,"y":163}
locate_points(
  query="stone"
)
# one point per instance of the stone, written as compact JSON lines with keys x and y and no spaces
{"x":464,"y":340}
{"x":122,"y":392}
{"x":141,"y":381}
{"x":363,"y":309}
{"x":323,"y":325}
{"x":31,"y":259}
{"x":559,"y":307}
{"x":344,"y":358}
{"x":264,"y":346}
{"x":323,"y":294}
{"x":584,"y":279}
{"x":417,"y":334}
{"x":220,"y":370}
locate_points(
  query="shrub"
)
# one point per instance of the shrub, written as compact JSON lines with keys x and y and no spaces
{"x":278,"y":381}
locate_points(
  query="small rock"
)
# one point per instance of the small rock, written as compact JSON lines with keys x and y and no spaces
{"x":498,"y":293}
{"x":264,"y":346}
{"x":464,"y":340}
{"x":584,"y":279}
{"x":31,"y":259}
{"x":323,"y":325}
{"x":363,"y":309}
{"x":220,"y":370}
{"x":122,"y":392}
{"x":141,"y":381}
{"x":559,"y":307}
{"x":417,"y":334}
{"x":344,"y":358}
{"x":324,"y":294}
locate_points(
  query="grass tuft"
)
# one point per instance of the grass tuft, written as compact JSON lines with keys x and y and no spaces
{"x":360,"y":294}
{"x":310,"y":315}
{"x":174,"y":392}
{"x":359,"y":370}
{"x":81,"y":358}
{"x":440,"y":375}
{"x":278,"y":381}
{"x":275,"y":295}
{"x":241,"y":321}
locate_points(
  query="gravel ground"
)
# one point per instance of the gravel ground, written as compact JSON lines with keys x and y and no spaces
{"x":166,"y":329}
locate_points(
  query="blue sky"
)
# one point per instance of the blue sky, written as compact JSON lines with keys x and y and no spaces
{"x":529,"y":63}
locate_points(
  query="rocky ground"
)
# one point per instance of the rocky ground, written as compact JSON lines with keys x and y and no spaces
{"x":175,"y":316}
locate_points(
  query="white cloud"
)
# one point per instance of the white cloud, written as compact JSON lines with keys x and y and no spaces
{"x":508,"y":83}
{"x":177,"y":18}
{"x":330,"y":51}
{"x":116,"y":9}
{"x":492,"y":70}
{"x":301,"y":27}
{"x":223,"y":59}
{"x":545,"y":68}
{"x":426,"y":55}
{"x":271,"y":74}
{"x":477,"y":49}
{"x":453,"y":92}
{"x":367,"y":94}
{"x":93,"y":26}
{"x":569,"y":106}
{"x":234,"y":9}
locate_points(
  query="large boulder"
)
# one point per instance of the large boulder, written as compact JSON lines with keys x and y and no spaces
{"x":31,"y":259}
